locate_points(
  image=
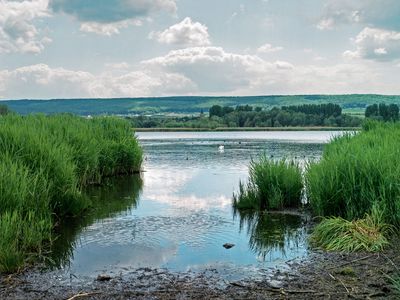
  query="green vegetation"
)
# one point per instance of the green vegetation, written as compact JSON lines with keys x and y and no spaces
{"x":272,"y":185}
{"x":45,"y":163}
{"x":383,"y":112}
{"x":188,"y":105}
{"x":321,"y":115}
{"x":357,"y":186}
{"x":4,"y":110}
{"x":347,"y":271}
{"x":367,"y":234}
{"x":304,"y":115}
{"x":174,"y":122}
{"x":356,"y":172}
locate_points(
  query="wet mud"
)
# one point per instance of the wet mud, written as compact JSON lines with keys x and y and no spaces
{"x":321,"y":276}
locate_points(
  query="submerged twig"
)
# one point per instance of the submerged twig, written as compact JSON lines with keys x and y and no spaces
{"x":83,"y":295}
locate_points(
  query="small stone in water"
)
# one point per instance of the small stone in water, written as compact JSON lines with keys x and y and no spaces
{"x":275,"y":284}
{"x":228,"y":246}
{"x":103,"y":277}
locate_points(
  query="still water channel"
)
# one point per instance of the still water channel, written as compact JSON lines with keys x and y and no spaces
{"x":178,"y":213}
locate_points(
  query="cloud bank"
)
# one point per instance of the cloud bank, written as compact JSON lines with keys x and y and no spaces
{"x":18,"y":32}
{"x":185,"y":33}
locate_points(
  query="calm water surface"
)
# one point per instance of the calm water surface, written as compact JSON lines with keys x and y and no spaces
{"x":178,"y":213}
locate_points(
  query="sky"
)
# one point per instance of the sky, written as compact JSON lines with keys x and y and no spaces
{"x":136,"y":48}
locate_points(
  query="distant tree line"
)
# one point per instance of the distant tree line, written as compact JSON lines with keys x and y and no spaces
{"x":383,"y":112}
{"x":326,"y":110}
{"x":329,"y":115}
{"x":299,"y":115}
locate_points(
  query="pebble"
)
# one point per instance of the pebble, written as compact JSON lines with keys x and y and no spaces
{"x":275,"y":284}
{"x":103,"y":277}
{"x":228,"y":245}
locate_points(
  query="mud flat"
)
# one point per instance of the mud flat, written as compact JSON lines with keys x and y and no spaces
{"x":321,"y":276}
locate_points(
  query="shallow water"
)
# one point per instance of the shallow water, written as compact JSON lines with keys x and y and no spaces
{"x":178,"y":213}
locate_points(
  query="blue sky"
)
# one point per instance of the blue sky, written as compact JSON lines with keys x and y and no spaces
{"x":132,"y":48}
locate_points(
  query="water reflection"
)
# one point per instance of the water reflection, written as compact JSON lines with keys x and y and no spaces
{"x":272,"y":232}
{"x":115,"y":196}
{"x":185,"y":213}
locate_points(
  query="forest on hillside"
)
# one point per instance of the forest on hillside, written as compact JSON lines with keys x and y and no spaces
{"x":189,"y":105}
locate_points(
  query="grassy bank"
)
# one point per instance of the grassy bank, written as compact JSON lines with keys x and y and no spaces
{"x":357,"y":172}
{"x":356,"y":184}
{"x":45,"y":163}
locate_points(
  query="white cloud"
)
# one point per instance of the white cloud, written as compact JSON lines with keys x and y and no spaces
{"x":283,"y":65}
{"x":117,"y":66}
{"x":211,"y":68}
{"x":108,"y":17}
{"x":107,"y":29}
{"x":185,"y":33}
{"x":382,"y":13}
{"x":268,"y":48}
{"x":42,"y":81}
{"x":376,"y":44}
{"x":197,"y":70}
{"x":18,"y":32}
{"x":215,"y":71}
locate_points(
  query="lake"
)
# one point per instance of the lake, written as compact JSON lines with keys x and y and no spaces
{"x":178,"y":213}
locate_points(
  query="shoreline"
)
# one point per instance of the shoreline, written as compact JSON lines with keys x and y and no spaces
{"x":321,"y":275}
{"x":227,"y":129}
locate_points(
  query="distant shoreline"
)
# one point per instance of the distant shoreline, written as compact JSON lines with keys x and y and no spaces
{"x":314,"y":128}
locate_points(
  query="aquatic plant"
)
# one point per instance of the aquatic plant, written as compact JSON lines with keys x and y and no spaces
{"x":367,"y":234}
{"x":356,"y":172}
{"x":272,"y":184}
{"x":45,"y":163}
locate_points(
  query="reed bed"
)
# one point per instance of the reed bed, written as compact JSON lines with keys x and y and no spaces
{"x":358,"y":172}
{"x":45,"y":162}
{"x":272,"y":185}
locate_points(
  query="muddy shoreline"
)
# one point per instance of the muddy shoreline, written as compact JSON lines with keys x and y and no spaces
{"x":321,"y":276}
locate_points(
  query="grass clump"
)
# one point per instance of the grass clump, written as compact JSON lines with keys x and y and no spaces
{"x":367,"y":234}
{"x":355,"y":172}
{"x":272,"y":185}
{"x":45,"y":163}
{"x":347,"y":271}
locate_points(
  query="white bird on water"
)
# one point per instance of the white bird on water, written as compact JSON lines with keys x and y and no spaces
{"x":221,"y":148}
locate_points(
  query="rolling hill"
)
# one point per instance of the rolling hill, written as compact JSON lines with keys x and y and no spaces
{"x":187,"y":105}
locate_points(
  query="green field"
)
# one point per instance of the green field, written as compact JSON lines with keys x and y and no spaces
{"x":188,"y":105}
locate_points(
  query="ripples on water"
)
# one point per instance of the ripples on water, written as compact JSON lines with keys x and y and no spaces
{"x":178,"y":213}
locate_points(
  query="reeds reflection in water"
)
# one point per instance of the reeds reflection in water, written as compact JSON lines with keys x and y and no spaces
{"x":118,"y":195}
{"x":272,"y":232}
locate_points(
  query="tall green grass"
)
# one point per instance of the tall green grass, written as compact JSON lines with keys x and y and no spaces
{"x":45,"y":162}
{"x":271,"y":185}
{"x":357,"y":172}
